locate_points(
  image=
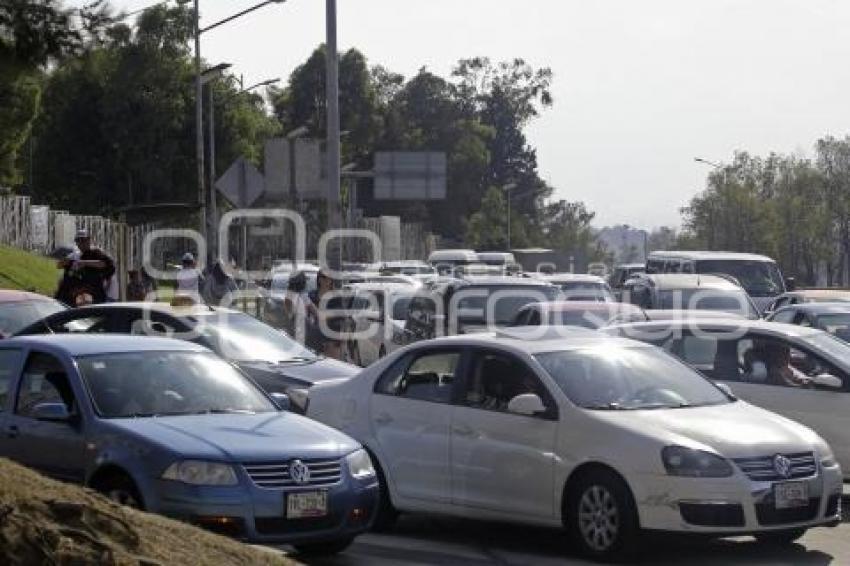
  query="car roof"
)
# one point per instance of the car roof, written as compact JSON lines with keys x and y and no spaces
{"x":691,"y":281}
{"x":567,"y":306}
{"x":535,"y":339}
{"x":668,"y":314}
{"x":819,"y":308}
{"x":819,"y":293}
{"x":17,"y":296}
{"x":630,"y":266}
{"x":88,"y":344}
{"x":177,"y":311}
{"x":707,"y":255}
{"x":747,"y":325}
{"x":482,"y":280}
{"x":387,"y":286}
{"x":585,"y":277}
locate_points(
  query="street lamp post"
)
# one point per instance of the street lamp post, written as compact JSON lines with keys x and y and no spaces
{"x":199,"y":126}
{"x":508,"y":188}
{"x":333,"y":142}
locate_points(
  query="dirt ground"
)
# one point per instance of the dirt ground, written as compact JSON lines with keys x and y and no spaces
{"x":48,"y":522}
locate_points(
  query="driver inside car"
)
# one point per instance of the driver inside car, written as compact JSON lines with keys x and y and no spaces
{"x":771,"y":362}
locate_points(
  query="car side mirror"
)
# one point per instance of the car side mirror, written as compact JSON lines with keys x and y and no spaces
{"x":527,"y":404}
{"x":282,"y":401}
{"x":52,"y":412}
{"x":726,"y":390}
{"x":790,"y":284}
{"x":827,"y":380}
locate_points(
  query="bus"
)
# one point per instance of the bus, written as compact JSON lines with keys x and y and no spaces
{"x":757,"y":274}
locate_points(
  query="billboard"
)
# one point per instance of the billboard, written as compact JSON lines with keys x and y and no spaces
{"x":410,"y":175}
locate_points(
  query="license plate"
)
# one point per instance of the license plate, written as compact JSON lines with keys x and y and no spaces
{"x":307,"y":504}
{"x":791,"y":494}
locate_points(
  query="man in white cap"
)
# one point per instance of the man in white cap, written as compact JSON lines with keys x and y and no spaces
{"x":189,"y":279}
{"x":86,"y":273}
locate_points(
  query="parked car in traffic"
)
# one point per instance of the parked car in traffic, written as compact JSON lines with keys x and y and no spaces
{"x":458,"y":306}
{"x":586,"y":314}
{"x":580,"y":286}
{"x":622,"y":273}
{"x":377,"y":314}
{"x":829,"y":317}
{"x":805,"y":296}
{"x":682,"y":291}
{"x":275,"y":361}
{"x":604,"y":437}
{"x":19,"y":309}
{"x":759,"y":275}
{"x":800,"y":373}
{"x":168,"y":427}
{"x":448,"y":260}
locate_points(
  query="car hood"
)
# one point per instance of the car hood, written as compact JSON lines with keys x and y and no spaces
{"x":735,"y":430}
{"x":239,"y":438}
{"x":303,"y":374}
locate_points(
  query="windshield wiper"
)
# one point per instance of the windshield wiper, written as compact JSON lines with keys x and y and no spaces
{"x":225,"y":411}
{"x":606,"y":407}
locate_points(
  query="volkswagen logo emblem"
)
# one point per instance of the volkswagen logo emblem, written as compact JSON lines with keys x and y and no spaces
{"x":782,"y":465}
{"x":299,"y":472}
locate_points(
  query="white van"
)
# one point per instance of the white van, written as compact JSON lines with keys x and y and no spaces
{"x":758,"y":275}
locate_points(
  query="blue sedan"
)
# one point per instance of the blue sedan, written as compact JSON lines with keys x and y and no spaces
{"x":166,"y":426}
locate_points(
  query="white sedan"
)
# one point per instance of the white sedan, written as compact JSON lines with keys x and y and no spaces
{"x":601,"y":435}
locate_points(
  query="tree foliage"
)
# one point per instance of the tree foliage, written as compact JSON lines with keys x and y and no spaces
{"x":788,"y":207}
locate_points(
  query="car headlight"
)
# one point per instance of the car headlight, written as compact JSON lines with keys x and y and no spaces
{"x":687,"y":462}
{"x":198,"y":472}
{"x":360,"y":465}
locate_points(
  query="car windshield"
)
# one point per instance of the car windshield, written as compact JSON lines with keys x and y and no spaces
{"x":836,"y":324}
{"x":242,"y":338}
{"x":18,"y":315}
{"x":147,"y":384}
{"x":707,"y":299}
{"x":593,"y":318}
{"x":758,"y":278}
{"x":829,"y":345}
{"x":503,"y":301}
{"x":618,"y":378}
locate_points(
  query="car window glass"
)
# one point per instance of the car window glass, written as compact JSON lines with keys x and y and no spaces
{"x":9,"y":360}
{"x":428,"y":378}
{"x":786,"y":316}
{"x":494,"y":379}
{"x":774,"y":362}
{"x":43,"y":381}
{"x":802,"y":320}
{"x":534,"y":318}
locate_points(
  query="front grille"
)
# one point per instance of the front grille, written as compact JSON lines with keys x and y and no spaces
{"x":803,"y":465}
{"x":323,"y":473}
{"x":712,"y":514}
{"x":767,"y":513}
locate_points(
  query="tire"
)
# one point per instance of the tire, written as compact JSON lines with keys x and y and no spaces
{"x":386,"y":515}
{"x":601,"y":516}
{"x":120,"y":489}
{"x":780,"y":538}
{"x":328,"y":548}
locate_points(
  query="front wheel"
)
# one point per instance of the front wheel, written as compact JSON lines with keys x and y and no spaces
{"x":328,"y":548}
{"x":601,"y":516}
{"x":780,"y":538}
{"x":121,"y":490}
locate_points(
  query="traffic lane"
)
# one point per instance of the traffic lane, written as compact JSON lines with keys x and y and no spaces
{"x":425,"y":540}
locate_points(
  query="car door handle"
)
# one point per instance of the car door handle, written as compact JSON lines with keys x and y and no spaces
{"x":383,"y":419}
{"x":12,"y":431}
{"x":463,"y":431}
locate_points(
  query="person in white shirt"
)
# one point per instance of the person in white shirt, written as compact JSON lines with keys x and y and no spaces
{"x":189,"y":279}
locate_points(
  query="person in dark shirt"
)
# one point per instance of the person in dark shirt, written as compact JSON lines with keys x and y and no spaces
{"x":86,"y":274}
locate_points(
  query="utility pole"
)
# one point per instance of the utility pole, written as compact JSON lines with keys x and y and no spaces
{"x":199,"y":129}
{"x":333,"y":141}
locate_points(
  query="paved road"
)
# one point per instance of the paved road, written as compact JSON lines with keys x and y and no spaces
{"x":439,"y":541}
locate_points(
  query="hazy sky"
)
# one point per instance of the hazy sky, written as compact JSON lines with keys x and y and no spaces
{"x":641,"y":87}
